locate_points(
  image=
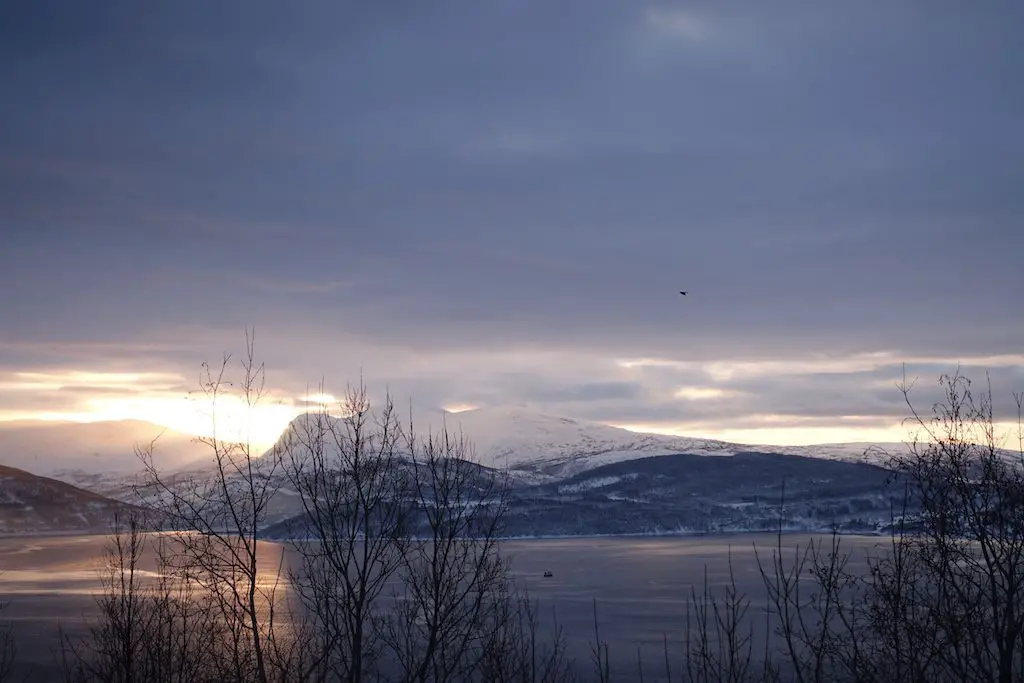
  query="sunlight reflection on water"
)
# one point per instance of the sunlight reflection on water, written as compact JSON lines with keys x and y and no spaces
{"x":641,"y":585}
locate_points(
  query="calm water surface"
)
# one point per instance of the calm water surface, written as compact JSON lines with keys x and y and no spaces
{"x":641,"y":586}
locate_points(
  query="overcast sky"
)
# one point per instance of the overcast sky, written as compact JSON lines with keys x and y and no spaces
{"x":497,"y":202}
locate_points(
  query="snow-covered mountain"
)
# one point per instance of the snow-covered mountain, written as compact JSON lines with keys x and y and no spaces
{"x":100,"y":456}
{"x":523,"y":439}
{"x":871,"y":453}
{"x":689,"y":493}
{"x":569,"y":475}
{"x":538,"y":445}
{"x":573,"y":476}
{"x":530,"y":441}
{"x":535,"y":447}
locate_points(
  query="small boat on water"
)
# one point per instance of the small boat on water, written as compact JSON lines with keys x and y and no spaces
{"x":548,"y":574}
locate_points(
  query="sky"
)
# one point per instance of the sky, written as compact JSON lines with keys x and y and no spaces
{"x":496,"y":203}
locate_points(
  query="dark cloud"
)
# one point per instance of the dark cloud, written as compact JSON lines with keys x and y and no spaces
{"x":532,"y":388}
{"x":372,"y":184}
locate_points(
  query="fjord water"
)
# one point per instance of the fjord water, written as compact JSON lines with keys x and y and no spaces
{"x":641,"y":586}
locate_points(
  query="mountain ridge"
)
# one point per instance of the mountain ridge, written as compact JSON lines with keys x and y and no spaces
{"x":31,"y":504}
{"x":534,"y":443}
{"x":582,"y":477}
{"x":515,"y":437}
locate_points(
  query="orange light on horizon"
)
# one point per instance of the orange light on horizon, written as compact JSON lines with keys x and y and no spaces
{"x":460,"y":407}
{"x":233,"y":420}
{"x":323,"y":399}
{"x":702,"y":393}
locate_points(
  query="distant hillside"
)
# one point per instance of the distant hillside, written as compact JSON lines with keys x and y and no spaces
{"x":687,"y":493}
{"x":569,"y":476}
{"x":33,"y":504}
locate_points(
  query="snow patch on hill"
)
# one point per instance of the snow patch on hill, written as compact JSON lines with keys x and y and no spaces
{"x":517,"y":438}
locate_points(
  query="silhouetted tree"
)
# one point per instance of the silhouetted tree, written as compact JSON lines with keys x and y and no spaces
{"x":220,"y":512}
{"x":146,"y":628}
{"x":352,"y":482}
{"x":453,"y":580}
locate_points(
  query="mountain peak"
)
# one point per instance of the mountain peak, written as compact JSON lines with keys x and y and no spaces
{"x":524,"y":438}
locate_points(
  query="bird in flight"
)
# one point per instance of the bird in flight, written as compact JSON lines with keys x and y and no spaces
{"x":683,"y":293}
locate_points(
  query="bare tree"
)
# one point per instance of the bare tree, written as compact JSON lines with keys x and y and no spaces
{"x":382,"y":509}
{"x":352,"y":483}
{"x":147,"y":628}
{"x":219,"y":514}
{"x":719,"y":637}
{"x":454,"y":581}
{"x":942,"y":600}
{"x":968,"y":548}
{"x":945,"y":600}
{"x":115,"y":650}
{"x":898,"y":637}
{"x":8,"y":647}
{"x":815,"y":608}
{"x":513,"y":650}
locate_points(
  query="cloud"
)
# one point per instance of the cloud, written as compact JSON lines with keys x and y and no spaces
{"x":51,"y":391}
{"x":497,"y":204}
{"x":277,"y":286}
{"x":701,"y":393}
{"x":676,"y":22}
{"x":842,"y":395}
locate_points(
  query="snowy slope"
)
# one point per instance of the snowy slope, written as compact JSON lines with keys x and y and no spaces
{"x":522,"y":439}
{"x":529,"y":442}
{"x":865,"y":452}
{"x":529,"y":438}
{"x":534,"y":446}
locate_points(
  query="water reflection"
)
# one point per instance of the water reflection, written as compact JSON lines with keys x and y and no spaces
{"x":641,"y":585}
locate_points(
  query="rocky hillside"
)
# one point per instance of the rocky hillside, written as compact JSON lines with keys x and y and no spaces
{"x":30,"y":504}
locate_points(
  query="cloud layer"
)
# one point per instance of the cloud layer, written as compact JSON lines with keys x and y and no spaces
{"x":499,"y":203}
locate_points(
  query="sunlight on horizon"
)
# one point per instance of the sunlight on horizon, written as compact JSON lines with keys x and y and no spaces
{"x":259,"y":426}
{"x":779,"y":436}
{"x":456,"y":408}
{"x":153,"y":397}
{"x":321,"y":398}
{"x":263,"y":425}
{"x":703,"y":393}
{"x":806,"y":436}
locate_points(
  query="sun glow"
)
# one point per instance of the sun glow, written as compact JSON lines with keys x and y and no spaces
{"x":230,"y":419}
{"x":322,"y":399}
{"x":460,"y":407}
{"x":701,"y":393}
{"x":258,"y":426}
{"x":77,"y":379}
{"x":156,"y":397}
